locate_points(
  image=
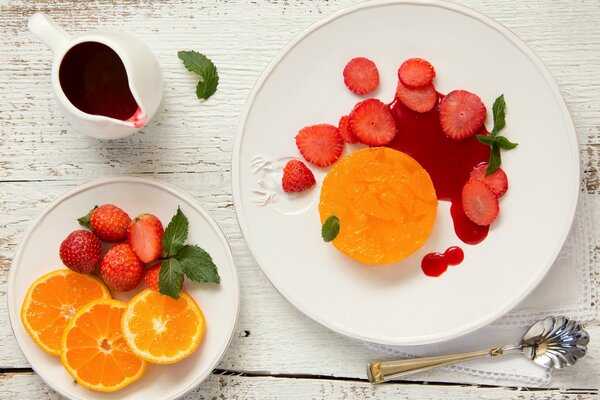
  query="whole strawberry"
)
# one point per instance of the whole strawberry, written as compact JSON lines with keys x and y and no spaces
{"x":80,"y":251}
{"x":296,"y":177}
{"x":151,"y":277}
{"x":120,"y":269}
{"x":145,"y":235}
{"x":108,"y":221}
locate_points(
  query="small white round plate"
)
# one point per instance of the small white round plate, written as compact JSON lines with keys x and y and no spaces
{"x":398,"y":304}
{"x":38,"y":254}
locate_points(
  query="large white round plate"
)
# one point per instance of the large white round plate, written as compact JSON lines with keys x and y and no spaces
{"x":397,"y":304}
{"x":38,"y":254}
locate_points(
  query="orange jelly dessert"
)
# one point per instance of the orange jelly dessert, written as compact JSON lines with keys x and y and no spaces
{"x":385,"y":202}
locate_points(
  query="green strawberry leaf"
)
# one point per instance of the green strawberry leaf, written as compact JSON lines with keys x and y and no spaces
{"x":197,"y":264}
{"x":85,"y":220}
{"x":330,"y":228}
{"x":175,"y":234}
{"x":202,"y":66}
{"x":169,"y":278}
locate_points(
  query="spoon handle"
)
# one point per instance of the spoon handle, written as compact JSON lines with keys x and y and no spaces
{"x":381,"y":371}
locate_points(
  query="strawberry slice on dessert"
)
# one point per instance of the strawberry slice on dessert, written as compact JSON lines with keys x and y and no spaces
{"x":372,"y":123}
{"x":296,"y":177}
{"x":320,"y":144}
{"x":416,"y":73}
{"x":345,"y":130}
{"x":361,"y":75}
{"x":462,"y":113}
{"x":497,"y":181}
{"x":479,"y":203}
{"x":420,"y":100}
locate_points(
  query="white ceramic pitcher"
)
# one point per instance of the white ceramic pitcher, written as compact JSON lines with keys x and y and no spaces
{"x":141,"y":66}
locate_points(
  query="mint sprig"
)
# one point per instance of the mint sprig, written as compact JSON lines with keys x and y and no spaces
{"x":175,"y":234}
{"x":202,"y":66}
{"x":330,"y":228}
{"x":495,"y":141}
{"x":183,"y":259}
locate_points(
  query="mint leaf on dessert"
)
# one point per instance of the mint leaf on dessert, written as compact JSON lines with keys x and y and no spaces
{"x":175,"y":234}
{"x":504,"y":143}
{"x":486,"y":139}
{"x":169,"y":278}
{"x":493,"y":140}
{"x":330,"y":228}
{"x":197,"y":264}
{"x":494,"y":162}
{"x":499,"y":112}
{"x":202,"y":66}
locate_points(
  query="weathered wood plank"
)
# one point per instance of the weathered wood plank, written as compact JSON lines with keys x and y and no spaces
{"x":13,"y":386}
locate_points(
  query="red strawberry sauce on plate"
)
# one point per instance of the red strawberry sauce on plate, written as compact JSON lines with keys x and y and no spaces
{"x":448,"y":162}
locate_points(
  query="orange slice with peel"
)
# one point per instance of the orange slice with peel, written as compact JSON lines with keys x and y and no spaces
{"x":385,"y":202}
{"x":51,"y":302}
{"x":160,"y":329}
{"x":93,"y":350}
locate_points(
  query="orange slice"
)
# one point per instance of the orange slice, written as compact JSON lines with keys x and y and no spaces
{"x":52,"y":300}
{"x":160,"y":329}
{"x":385,"y":202}
{"x":94,"y":352}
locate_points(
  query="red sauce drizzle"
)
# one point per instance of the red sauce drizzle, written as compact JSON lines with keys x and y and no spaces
{"x":448,"y":162}
{"x":435,"y":264}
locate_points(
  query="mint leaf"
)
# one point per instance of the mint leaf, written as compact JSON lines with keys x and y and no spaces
{"x":486,"y":139}
{"x":504,"y":143}
{"x":495,"y":161}
{"x":201,"y":65}
{"x":197,"y":264}
{"x":330,"y":228}
{"x":175,"y":234}
{"x":499,"y":112}
{"x":85,"y":220}
{"x":169,"y":278}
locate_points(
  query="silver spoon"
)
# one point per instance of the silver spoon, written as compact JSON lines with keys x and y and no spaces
{"x":553,"y":342}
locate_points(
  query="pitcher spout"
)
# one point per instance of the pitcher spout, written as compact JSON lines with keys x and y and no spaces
{"x":138,"y":119}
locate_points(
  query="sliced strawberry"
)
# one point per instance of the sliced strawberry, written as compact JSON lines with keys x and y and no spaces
{"x":296,"y":177}
{"x":361,"y":75}
{"x":345,"y":130}
{"x":416,"y":73}
{"x":420,"y":100}
{"x":320,"y":144}
{"x":461,"y":114}
{"x":372,"y":123}
{"x":497,"y":181}
{"x":479,"y":202}
{"x":145,"y":237}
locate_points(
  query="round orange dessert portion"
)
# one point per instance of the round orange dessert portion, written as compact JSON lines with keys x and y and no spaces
{"x":385,"y":202}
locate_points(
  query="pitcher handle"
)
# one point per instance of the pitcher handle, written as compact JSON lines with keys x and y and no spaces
{"x":48,"y":31}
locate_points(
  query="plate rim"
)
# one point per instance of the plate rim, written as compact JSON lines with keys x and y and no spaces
{"x":12,"y":307}
{"x":514,"y":40}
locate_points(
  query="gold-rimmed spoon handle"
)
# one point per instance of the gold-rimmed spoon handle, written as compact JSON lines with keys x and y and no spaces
{"x":381,"y":371}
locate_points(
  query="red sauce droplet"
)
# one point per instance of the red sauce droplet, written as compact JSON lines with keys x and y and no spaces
{"x":466,"y":230}
{"x":454,"y":255}
{"x":448,"y":162}
{"x":435,"y":264}
{"x":94,"y":79}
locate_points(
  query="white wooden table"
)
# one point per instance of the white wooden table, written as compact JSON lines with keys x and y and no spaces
{"x":277,"y":352}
